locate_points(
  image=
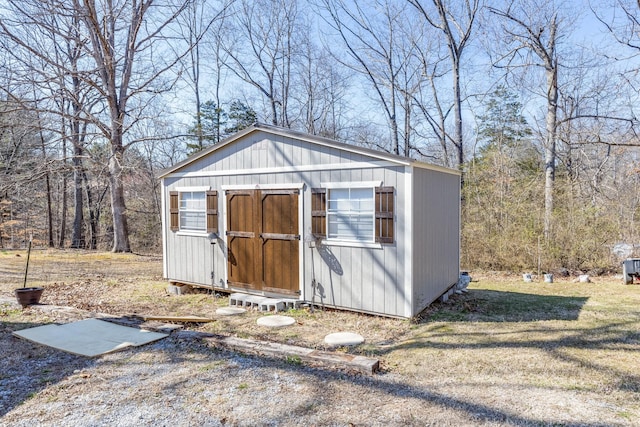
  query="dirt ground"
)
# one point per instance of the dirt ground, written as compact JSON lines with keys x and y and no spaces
{"x":504,"y":354}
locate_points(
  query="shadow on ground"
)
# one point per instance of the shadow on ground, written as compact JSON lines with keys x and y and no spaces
{"x":498,"y":306}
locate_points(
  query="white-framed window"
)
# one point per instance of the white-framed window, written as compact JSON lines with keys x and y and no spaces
{"x":353,"y":213}
{"x":350,"y":214}
{"x":192,"y":211}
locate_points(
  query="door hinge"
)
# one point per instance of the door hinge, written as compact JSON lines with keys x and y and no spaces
{"x":213,"y":276}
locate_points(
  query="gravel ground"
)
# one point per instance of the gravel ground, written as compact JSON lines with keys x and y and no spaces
{"x":184,"y":381}
{"x":495,"y":358}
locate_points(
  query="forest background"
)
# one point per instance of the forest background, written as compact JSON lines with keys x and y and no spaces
{"x":533,"y":100}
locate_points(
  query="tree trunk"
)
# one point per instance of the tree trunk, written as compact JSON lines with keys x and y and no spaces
{"x":77,"y":239}
{"x":47,"y":181}
{"x":63,"y":214}
{"x":118,"y":207}
{"x":93,"y":217}
{"x":457,"y":115}
{"x":550,"y":146}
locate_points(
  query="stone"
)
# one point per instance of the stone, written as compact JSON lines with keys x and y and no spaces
{"x":276,"y":321}
{"x":339,"y":339}
{"x":230,"y":311}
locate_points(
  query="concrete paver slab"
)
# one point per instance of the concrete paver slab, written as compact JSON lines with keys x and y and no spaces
{"x":343,"y":339}
{"x":276,"y":321}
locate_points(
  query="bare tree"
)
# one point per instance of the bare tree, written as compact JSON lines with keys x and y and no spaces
{"x":201,"y":26}
{"x":261,"y":47}
{"x":322,"y":95}
{"x":125,"y":58}
{"x":456,"y":25}
{"x":533,"y":28}
{"x":123,"y":36}
{"x":369,"y":32}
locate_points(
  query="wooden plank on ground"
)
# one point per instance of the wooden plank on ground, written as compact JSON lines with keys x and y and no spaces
{"x":180,"y":319}
{"x":362,"y":364}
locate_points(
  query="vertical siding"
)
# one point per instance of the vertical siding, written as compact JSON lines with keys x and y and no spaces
{"x":436,"y":227}
{"x":361,"y":279}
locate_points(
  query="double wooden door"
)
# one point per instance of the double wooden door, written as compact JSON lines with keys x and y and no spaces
{"x":263,"y":240}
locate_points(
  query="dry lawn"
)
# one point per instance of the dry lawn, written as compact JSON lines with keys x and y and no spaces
{"x":506,"y":353}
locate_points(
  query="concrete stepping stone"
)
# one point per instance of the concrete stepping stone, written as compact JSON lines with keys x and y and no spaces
{"x":276,"y":321}
{"x":339,"y":339}
{"x":230,"y":311}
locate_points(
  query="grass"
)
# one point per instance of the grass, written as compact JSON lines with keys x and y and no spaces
{"x":506,"y":344}
{"x":566,"y":337}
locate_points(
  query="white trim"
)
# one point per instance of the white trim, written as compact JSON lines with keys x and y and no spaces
{"x":459,"y":226}
{"x":285,"y":169}
{"x":351,"y":184}
{"x":408,"y":242}
{"x":301,"y":246}
{"x":192,"y":189}
{"x":351,"y":244}
{"x":163,"y":221}
{"x":436,"y":168}
{"x":222,"y":233}
{"x":292,"y":186}
{"x":193,"y":233}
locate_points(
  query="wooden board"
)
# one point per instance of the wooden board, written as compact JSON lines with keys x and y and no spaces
{"x":362,"y":364}
{"x":181,"y":319}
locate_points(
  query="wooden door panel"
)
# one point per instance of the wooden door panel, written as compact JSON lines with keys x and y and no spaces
{"x":280,"y":241}
{"x":280,"y":266}
{"x":241,"y":240}
{"x":240,"y":211}
{"x":242,"y":262}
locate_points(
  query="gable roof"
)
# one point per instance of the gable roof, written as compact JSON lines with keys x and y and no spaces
{"x":313,"y":139}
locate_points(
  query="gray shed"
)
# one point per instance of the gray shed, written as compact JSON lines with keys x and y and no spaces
{"x":275,"y":212}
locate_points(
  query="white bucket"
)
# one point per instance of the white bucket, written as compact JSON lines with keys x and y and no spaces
{"x":548,"y":278}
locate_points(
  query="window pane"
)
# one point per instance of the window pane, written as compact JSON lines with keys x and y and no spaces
{"x":350,"y":214}
{"x":192,"y":220}
{"x":193,"y":210}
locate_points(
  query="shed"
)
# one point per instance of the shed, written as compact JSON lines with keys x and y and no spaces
{"x":280,"y":213}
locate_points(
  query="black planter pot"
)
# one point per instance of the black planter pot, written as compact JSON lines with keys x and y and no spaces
{"x":28,"y":296}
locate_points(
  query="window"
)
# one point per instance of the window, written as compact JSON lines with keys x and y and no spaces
{"x":350,"y":214}
{"x":194,"y":211}
{"x":358,"y":212}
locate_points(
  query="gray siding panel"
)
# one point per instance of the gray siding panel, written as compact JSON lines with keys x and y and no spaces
{"x":436,"y":211}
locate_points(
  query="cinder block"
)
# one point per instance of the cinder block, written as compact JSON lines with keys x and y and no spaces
{"x":291,"y":303}
{"x":268,"y":303}
{"x":253,"y":301}
{"x":237,"y":299}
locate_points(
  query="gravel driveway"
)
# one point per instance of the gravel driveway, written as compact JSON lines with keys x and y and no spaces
{"x":186,"y":382}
